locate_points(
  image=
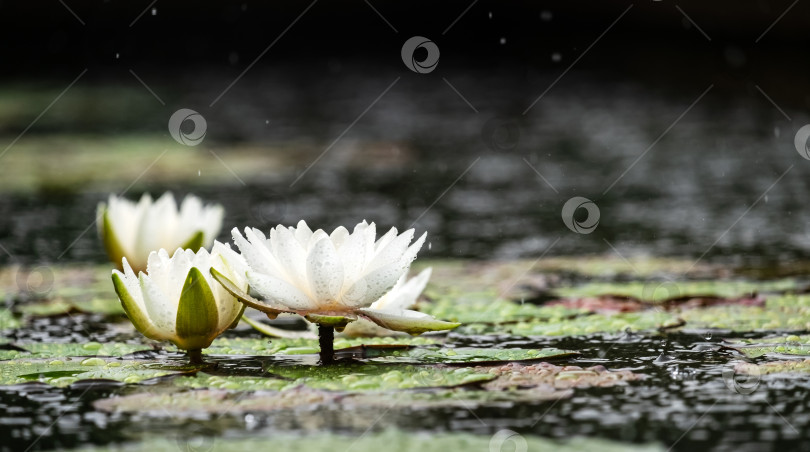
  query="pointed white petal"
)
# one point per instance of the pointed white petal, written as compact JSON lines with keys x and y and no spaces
{"x":324,"y":271}
{"x":279,"y":292}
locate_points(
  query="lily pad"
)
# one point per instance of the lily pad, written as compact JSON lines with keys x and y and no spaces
{"x":748,"y":318}
{"x":376,"y":377}
{"x":479,"y":308}
{"x":264,"y":346}
{"x":8,"y":320}
{"x":64,"y":372}
{"x":782,"y":345}
{"x":774,"y":367}
{"x":390,"y":441}
{"x":473,"y":355}
{"x":53,"y":350}
{"x":644,"y":321}
{"x":61,"y":306}
{"x":655,"y":291}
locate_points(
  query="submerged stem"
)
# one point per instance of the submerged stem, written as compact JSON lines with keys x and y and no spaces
{"x":326,"y":338}
{"x":195,"y":356}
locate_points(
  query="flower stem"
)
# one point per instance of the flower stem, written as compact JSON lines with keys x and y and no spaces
{"x":326,"y":338}
{"x":195,"y":356}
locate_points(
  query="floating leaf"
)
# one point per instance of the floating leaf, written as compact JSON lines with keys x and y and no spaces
{"x":64,"y":372}
{"x":54,"y":350}
{"x":473,"y":355}
{"x":782,"y":345}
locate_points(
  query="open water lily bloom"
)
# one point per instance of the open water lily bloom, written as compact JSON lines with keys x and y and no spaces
{"x":330,"y":279}
{"x":133,"y":230}
{"x":177,"y":300}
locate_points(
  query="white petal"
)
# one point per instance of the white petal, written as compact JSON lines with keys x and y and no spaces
{"x":303,"y":233}
{"x":324,"y":271}
{"x":373,"y":286}
{"x":291,"y":257}
{"x":280,"y":292}
{"x":338,"y":236}
{"x":393,"y":252}
{"x":404,"y":294}
{"x":161,"y":310}
{"x":411,"y":322}
{"x":386,"y":239}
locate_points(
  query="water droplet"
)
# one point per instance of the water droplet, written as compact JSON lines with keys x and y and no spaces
{"x":267,"y":121}
{"x":708,"y":336}
{"x":199,"y":172}
{"x":556,"y":57}
{"x":154,"y":11}
{"x":490,"y":14}
{"x":545,"y":16}
{"x":430,"y":245}
{"x":503,"y":41}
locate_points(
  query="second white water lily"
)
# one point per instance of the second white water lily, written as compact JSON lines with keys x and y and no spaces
{"x":330,"y":279}
{"x":133,"y":230}
{"x":177,"y":300}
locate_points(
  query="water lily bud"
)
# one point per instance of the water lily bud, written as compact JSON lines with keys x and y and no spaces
{"x":133,"y":230}
{"x":177,"y":300}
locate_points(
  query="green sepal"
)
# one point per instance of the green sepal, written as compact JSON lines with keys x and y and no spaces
{"x":244,"y":297}
{"x":115,"y":251}
{"x":197,"y":313}
{"x":337,"y":322}
{"x":238,"y":317}
{"x":411,"y":322}
{"x":195,"y":242}
{"x":271,"y":331}
{"x":133,"y":311}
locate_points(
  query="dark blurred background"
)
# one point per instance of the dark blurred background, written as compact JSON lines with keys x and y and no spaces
{"x":676,"y":119}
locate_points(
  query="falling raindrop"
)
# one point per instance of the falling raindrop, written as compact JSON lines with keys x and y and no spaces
{"x":154,"y":11}
{"x":545,"y":16}
{"x":430,"y":245}
{"x":117,"y":55}
{"x":503,"y":41}
{"x":199,"y":173}
{"x":708,"y":336}
{"x":556,"y":57}
{"x":267,"y":121}
{"x":490,"y":14}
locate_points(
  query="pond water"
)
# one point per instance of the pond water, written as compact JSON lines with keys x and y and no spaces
{"x":724,"y":184}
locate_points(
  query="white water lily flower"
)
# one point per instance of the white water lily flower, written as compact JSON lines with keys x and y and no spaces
{"x":133,"y":230}
{"x":177,"y":300}
{"x":330,"y":279}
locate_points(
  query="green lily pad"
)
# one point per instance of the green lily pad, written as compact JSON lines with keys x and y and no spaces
{"x":655,"y":291}
{"x":60,"y":306}
{"x":389,"y":440}
{"x":748,"y":318}
{"x":473,"y":355}
{"x":774,"y":367}
{"x":375,"y":377}
{"x":279,"y":346}
{"x":52,"y":350}
{"x":782,"y":345}
{"x":7,"y":320}
{"x":643,"y":321}
{"x":478,"y":308}
{"x":64,"y":372}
